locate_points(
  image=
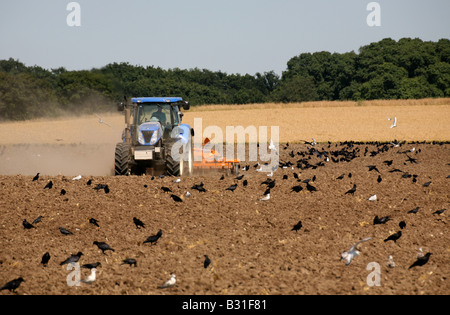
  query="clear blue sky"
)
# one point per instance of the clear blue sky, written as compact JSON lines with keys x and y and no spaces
{"x":233,"y":36}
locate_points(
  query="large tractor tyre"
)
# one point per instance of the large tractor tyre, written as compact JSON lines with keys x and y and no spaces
{"x":172,"y":166}
{"x":122,"y":159}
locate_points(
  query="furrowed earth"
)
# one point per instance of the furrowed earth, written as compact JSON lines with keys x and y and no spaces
{"x":251,"y":243}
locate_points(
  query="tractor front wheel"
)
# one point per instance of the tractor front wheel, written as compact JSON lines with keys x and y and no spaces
{"x":122,"y":159}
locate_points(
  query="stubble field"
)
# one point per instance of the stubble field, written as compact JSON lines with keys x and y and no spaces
{"x":250,"y":242}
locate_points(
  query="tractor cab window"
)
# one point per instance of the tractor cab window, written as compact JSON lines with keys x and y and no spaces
{"x":154,"y":113}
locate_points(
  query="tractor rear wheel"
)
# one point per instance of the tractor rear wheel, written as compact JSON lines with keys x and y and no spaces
{"x":122,"y":159}
{"x":172,"y":166}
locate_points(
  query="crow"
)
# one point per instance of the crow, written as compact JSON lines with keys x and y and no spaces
{"x":91,"y":266}
{"x":245,"y":183}
{"x":27,"y":225}
{"x":421,"y":260}
{"x":297,"y":227}
{"x":297,"y":188}
{"x":129,"y":261}
{"x":12,"y":285}
{"x":388,"y":162}
{"x":63,"y":192}
{"x":103,"y":246}
{"x":106,"y":189}
{"x":64,"y":231}
{"x":72,"y":259}
{"x":138,"y":223}
{"x":37,"y":220}
{"x":222,"y":177}
{"x":340,"y":177}
{"x":94,"y":222}
{"x":373,"y":168}
{"x":207,"y":262}
{"x":176,"y":198}
{"x":45,"y":259}
{"x":89,"y":182}
{"x":379,"y":179}
{"x":310,"y":188}
{"x":49,"y":185}
{"x":199,"y":187}
{"x":153,"y":238}
{"x":351,"y":191}
{"x":382,"y":220}
{"x":36,"y":177}
{"x":439,"y":211}
{"x":239,"y":177}
{"x":427,"y":184}
{"x":415,"y":210}
{"x":166,"y":189}
{"x":394,"y":237}
{"x":402,"y":224}
{"x":232,"y":187}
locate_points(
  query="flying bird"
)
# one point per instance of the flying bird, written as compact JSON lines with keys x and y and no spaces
{"x":72,"y":259}
{"x":12,"y":285}
{"x":101,"y":121}
{"x":352,"y":252}
{"x":153,"y":238}
{"x":169,"y":283}
{"x":421,"y":260}
{"x":394,"y":124}
{"x":103,"y":246}
{"x":394,"y":237}
{"x":297,"y":227}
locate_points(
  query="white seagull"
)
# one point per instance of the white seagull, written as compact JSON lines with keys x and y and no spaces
{"x":395,"y":123}
{"x":91,"y":278}
{"x":352,"y":252}
{"x":265,"y":198}
{"x":373,"y":198}
{"x":100,"y":120}
{"x":169,"y":283}
{"x":272,"y":146}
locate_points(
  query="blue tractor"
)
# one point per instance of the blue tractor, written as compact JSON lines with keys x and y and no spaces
{"x":154,"y":141}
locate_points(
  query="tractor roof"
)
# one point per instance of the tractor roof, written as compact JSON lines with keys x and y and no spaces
{"x":156,"y":99}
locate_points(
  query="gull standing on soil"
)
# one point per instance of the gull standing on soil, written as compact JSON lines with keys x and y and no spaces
{"x":91,"y":278}
{"x":77,"y":177}
{"x":100,"y":120}
{"x":265,"y":198}
{"x":352,"y":252}
{"x":169,"y":283}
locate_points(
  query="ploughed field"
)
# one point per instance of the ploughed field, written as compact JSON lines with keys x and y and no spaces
{"x":251,"y":244}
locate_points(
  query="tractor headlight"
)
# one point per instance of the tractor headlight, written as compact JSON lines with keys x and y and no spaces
{"x":154,"y":138}
{"x":141,"y":138}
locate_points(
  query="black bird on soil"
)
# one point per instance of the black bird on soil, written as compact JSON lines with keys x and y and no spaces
{"x":37,"y":220}
{"x":402,"y":224}
{"x":232,"y":187}
{"x":103,"y":246}
{"x":245,"y":183}
{"x":239,"y":177}
{"x":89,"y":182}
{"x":222,"y":177}
{"x":27,"y":225}
{"x":415,"y":210}
{"x":373,"y":168}
{"x":394,"y":237}
{"x":297,"y":188}
{"x":340,"y":177}
{"x":421,"y":260}
{"x":351,"y":191}
{"x":91,"y":266}
{"x":439,"y":211}
{"x":427,"y":184}
{"x":176,"y":198}
{"x":129,"y":261}
{"x":72,"y":259}
{"x":388,"y":162}
{"x":382,"y":220}
{"x":94,"y":222}
{"x":379,"y":179}
{"x":45,"y":259}
{"x":138,"y":223}
{"x":166,"y":189}
{"x":310,"y":188}
{"x":36,"y":177}
{"x":297,"y":227}
{"x":49,"y":185}
{"x":199,"y":187}
{"x":207,"y":262}
{"x":12,"y":285}
{"x":153,"y":238}
{"x":63,"y":192}
{"x":64,"y":231}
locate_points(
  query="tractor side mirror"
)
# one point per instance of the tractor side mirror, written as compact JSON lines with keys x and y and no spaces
{"x":186,"y":105}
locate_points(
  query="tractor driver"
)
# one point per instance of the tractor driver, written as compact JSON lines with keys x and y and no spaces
{"x":160,"y":115}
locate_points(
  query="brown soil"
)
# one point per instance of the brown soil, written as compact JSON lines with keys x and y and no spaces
{"x":250,"y":242}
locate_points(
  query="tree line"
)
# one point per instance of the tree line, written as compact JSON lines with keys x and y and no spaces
{"x":388,"y":69}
